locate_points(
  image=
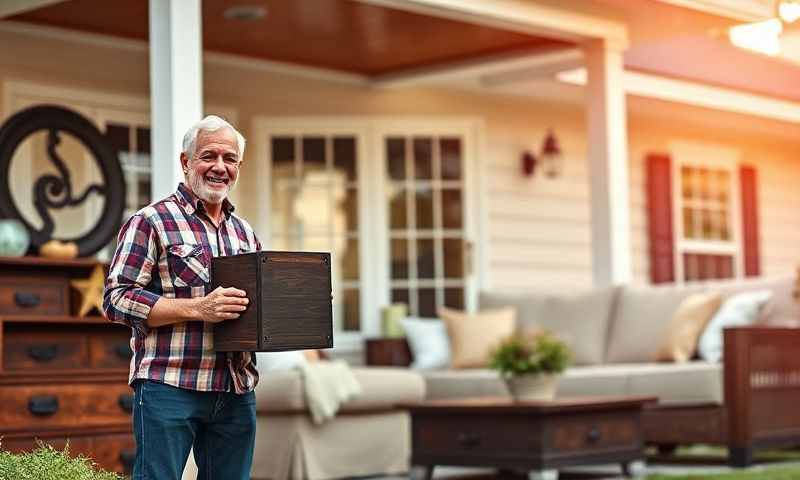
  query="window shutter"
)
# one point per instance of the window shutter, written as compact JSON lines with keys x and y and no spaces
{"x":659,"y":209}
{"x":747,"y":179}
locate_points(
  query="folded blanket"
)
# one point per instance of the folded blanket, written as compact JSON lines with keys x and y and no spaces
{"x":327,"y":384}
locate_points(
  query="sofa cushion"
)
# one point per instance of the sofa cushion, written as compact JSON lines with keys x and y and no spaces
{"x":679,"y":342}
{"x":642,"y":314}
{"x":688,"y":383}
{"x":381,"y":389}
{"x":474,"y":335}
{"x":739,"y":310}
{"x":592,"y":380}
{"x":580,"y":319}
{"x":472,"y":382}
{"x":781,"y":309}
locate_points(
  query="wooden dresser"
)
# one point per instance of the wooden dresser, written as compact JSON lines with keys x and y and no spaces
{"x":62,"y":377}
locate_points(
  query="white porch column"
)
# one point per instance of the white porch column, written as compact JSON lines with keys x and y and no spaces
{"x":176,"y":86}
{"x":608,"y":162}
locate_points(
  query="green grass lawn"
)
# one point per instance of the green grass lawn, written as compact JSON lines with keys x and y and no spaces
{"x":762,"y":459}
{"x":777,"y":473}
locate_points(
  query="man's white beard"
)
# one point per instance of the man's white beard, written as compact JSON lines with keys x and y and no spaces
{"x":198,"y":185}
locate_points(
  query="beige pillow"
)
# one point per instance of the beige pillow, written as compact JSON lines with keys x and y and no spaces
{"x":679,"y":341}
{"x":473,"y":335}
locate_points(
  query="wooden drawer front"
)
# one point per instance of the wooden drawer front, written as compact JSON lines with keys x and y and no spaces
{"x":41,"y":296}
{"x":30,"y":350}
{"x":474,"y":435}
{"x":590,"y":432}
{"x":66,"y":406}
{"x":110,"y":349}
{"x":115,"y":452}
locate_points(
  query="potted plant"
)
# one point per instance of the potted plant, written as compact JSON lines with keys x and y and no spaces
{"x":530,"y":364}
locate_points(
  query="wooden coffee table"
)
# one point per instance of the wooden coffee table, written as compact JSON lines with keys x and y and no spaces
{"x":535,"y":437}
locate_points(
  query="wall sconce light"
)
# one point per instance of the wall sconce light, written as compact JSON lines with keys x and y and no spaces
{"x":549,"y":160}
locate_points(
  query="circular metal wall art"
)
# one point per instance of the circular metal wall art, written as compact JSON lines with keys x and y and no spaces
{"x":54,"y":192}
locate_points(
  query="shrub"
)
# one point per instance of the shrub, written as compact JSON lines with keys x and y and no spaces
{"x":47,"y":463}
{"x":530,"y":354}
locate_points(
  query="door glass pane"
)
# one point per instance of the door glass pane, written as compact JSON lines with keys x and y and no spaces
{"x":424,"y":207}
{"x":400,"y":295}
{"x":397,"y":207}
{"x":350,"y":210}
{"x":427,"y":302}
{"x":311,"y":208}
{"x":423,"y":159}
{"x":347,"y":252}
{"x":344,"y":156}
{"x":399,"y":258}
{"x":117,"y":136}
{"x":454,"y":298}
{"x":451,"y":158}
{"x":143,"y":141}
{"x":352,"y":310}
{"x":282,"y":151}
{"x":451,"y":209}
{"x":426,"y":264}
{"x":453,"y":257}
{"x":396,"y":158}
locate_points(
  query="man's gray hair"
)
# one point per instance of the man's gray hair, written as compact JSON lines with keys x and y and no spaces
{"x":211,"y":123}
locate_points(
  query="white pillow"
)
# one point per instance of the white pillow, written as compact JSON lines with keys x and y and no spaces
{"x":267,"y":361}
{"x":428,"y":342}
{"x":737,"y":311}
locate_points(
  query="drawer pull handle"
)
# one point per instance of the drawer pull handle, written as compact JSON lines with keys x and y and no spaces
{"x":43,"y":353}
{"x":123,"y":351}
{"x":469,"y":440}
{"x":125,"y":402}
{"x":127,"y":457}
{"x":43,"y":405}
{"x":593,"y":435}
{"x":27,"y":300}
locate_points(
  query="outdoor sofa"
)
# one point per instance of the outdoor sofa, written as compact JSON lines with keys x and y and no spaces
{"x":747,"y":401}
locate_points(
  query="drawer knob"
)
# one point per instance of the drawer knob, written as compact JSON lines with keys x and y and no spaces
{"x":43,"y":353}
{"x":125,"y":402}
{"x":469,"y":440}
{"x":27,"y":299}
{"x":127,"y":457}
{"x":123,"y":350}
{"x":593,"y":435}
{"x":43,"y":405}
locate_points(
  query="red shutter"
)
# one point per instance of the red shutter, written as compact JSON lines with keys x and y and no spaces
{"x":747,"y":179}
{"x":659,"y":217}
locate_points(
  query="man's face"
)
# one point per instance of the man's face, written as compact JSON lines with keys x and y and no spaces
{"x":214,"y":168}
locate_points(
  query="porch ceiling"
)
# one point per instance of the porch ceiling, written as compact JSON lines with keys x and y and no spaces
{"x":336,"y":34}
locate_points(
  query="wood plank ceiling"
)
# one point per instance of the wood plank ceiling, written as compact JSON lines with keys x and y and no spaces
{"x":342,"y":35}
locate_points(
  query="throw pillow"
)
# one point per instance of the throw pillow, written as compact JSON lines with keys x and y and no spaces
{"x":472,"y":336}
{"x":428,"y":342}
{"x":267,"y":361}
{"x":737,"y":311}
{"x":679,"y":342}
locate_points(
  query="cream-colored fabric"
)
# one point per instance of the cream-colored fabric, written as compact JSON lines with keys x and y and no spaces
{"x":581,"y":319}
{"x":368,"y":444}
{"x":469,"y":382}
{"x":327,"y":385}
{"x":472,"y":336}
{"x":689,"y":383}
{"x":381,"y":388}
{"x":679,"y":339}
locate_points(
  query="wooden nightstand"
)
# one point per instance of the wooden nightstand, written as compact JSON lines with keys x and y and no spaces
{"x":387,"y":352}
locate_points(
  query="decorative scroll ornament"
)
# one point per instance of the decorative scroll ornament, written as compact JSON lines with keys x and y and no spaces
{"x":54,"y":192}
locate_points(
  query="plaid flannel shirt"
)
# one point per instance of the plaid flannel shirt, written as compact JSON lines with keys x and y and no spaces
{"x":165,"y":250}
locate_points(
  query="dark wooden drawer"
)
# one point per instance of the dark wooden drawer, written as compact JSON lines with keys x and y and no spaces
{"x":27,"y":349}
{"x":592,"y":431}
{"x":110,"y":349}
{"x":29,"y":295}
{"x":43,"y":408}
{"x":473,"y":435}
{"x":115,"y":452}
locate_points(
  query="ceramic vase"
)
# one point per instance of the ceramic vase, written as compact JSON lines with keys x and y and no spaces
{"x":14,"y":238}
{"x":533,"y":387}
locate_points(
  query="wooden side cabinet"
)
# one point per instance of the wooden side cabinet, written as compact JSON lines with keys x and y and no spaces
{"x":387,"y":352}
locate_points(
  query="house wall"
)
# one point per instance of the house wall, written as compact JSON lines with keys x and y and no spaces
{"x":538,"y":228}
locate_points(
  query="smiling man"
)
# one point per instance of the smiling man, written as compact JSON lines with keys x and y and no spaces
{"x":186,"y":394}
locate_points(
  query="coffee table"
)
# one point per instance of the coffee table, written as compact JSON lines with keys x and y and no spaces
{"x":535,"y":437}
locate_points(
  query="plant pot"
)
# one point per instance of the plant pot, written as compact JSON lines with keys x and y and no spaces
{"x":532,"y":387}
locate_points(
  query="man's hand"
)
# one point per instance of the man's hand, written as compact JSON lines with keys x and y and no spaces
{"x":221,"y":304}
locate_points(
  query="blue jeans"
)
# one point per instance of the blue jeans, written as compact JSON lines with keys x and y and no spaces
{"x":168,"y":421}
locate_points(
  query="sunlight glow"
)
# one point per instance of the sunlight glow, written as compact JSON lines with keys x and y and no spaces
{"x":762,"y":37}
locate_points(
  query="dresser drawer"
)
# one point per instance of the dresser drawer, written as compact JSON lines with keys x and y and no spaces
{"x":110,"y":349}
{"x":591,"y":432}
{"x":29,"y":296}
{"x":42,"y":408}
{"x":29,"y":349}
{"x":115,"y":452}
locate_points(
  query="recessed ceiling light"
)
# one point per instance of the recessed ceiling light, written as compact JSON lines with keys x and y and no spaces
{"x":245,"y":13}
